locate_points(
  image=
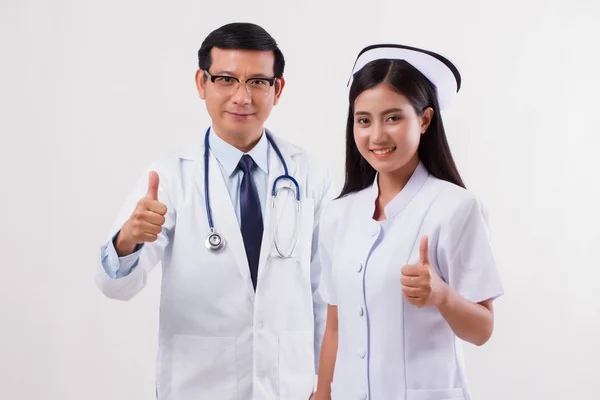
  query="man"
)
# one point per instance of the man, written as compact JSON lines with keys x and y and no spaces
{"x":243,"y":320}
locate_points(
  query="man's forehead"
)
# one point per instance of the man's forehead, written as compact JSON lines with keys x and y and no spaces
{"x":242,"y":61}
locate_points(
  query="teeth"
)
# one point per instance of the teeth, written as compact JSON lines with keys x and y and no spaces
{"x":381,"y":152}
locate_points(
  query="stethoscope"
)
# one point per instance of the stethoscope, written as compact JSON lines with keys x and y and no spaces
{"x":214,"y":240}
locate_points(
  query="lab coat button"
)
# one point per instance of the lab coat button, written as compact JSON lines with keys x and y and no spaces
{"x":260,"y":325}
{"x":361,"y":311}
{"x":359,"y":268}
{"x":362,"y":396}
{"x":361,"y":353}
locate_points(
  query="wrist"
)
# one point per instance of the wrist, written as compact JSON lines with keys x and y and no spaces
{"x":444,"y":294}
{"x":123,"y":245}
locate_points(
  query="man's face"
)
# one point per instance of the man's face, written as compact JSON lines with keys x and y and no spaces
{"x":239,"y":111}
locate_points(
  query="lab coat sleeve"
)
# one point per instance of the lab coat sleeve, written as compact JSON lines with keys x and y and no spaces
{"x":319,"y":305}
{"x":122,"y":278}
{"x":465,"y":256}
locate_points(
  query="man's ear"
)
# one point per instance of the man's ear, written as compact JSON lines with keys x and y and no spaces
{"x":201,"y":83}
{"x":279,"y":85}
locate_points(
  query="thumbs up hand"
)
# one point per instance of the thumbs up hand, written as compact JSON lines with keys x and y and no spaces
{"x":146,"y":221}
{"x":421,"y":285}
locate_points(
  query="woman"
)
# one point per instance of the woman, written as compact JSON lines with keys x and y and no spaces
{"x":407,"y":266}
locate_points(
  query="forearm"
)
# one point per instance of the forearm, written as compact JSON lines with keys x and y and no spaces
{"x":472,"y":322}
{"x":327,"y":364}
{"x":328,"y":355}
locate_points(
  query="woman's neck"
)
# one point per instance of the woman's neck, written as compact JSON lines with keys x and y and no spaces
{"x":390,"y":184}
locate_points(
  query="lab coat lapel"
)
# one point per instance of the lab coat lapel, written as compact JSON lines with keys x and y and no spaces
{"x":273,"y":216}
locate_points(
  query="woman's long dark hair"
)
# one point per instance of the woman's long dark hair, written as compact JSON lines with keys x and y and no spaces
{"x":433,"y":149}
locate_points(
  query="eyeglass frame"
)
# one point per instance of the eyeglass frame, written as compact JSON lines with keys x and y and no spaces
{"x":214,"y":77}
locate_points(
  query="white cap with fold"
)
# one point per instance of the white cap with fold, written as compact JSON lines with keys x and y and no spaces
{"x":441,"y":72}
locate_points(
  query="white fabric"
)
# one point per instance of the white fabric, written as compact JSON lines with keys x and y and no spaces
{"x":435,"y":70}
{"x":388,"y":348}
{"x":218,"y":339}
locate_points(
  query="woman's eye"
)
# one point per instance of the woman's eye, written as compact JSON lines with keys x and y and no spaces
{"x":394,"y":118}
{"x":362,"y":121}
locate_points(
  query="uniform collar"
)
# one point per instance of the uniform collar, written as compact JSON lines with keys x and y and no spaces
{"x":406,"y":195}
{"x":229,"y":156}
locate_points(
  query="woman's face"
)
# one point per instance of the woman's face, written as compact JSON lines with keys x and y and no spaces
{"x":387,"y":128}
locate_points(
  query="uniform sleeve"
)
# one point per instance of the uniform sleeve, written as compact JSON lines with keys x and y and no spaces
{"x":319,"y":303}
{"x":465,"y":255}
{"x":325,"y":254}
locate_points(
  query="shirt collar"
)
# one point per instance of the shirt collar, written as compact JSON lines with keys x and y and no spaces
{"x":229,"y":156}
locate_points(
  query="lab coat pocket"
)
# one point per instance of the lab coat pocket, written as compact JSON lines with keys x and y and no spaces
{"x":204,"y":368}
{"x":443,"y":394}
{"x":296,"y":365}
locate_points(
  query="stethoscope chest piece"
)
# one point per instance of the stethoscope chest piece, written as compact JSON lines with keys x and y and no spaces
{"x":214,"y":241}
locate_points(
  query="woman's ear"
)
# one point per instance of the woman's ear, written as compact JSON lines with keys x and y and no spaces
{"x":426,"y":119}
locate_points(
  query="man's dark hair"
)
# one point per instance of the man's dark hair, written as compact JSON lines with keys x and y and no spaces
{"x":240,"y":36}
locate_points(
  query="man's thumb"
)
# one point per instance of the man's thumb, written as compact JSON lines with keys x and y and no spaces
{"x":153,"y":186}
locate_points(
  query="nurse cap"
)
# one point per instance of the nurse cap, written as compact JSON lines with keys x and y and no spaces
{"x":440,"y":71}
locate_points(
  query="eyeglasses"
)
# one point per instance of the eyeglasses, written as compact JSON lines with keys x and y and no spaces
{"x":228,"y":85}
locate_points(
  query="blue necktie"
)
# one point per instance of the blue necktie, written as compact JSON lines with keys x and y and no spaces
{"x":251,"y":216}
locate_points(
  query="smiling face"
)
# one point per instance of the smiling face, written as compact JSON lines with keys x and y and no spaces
{"x":387,"y":129}
{"x":238,"y":115}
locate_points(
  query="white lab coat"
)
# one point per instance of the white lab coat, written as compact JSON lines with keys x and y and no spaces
{"x":387,"y":348}
{"x":218,"y":339}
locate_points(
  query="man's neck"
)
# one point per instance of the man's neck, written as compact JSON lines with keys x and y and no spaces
{"x":244,"y":142}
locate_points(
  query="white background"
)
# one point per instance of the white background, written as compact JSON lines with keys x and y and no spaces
{"x":92,"y":91}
